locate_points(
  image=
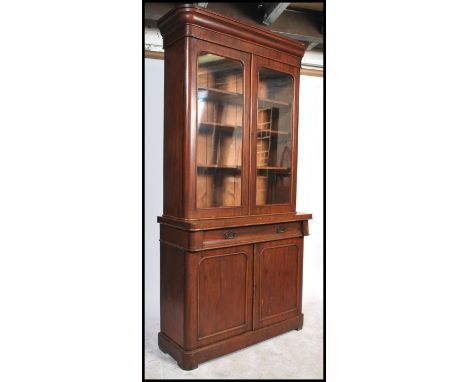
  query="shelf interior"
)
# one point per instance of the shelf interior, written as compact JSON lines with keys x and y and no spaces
{"x":218,"y":95}
{"x":206,"y":126}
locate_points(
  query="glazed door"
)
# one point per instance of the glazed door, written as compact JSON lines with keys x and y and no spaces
{"x":277,"y":281}
{"x":220,"y":299}
{"x":274,"y":136}
{"x":220,"y":130}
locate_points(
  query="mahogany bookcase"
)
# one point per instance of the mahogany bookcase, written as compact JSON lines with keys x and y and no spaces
{"x":231,"y":239}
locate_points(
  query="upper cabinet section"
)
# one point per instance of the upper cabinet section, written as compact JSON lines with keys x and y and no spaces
{"x":230,"y":117}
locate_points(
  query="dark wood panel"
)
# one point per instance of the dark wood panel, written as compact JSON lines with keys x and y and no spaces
{"x":172,"y":235}
{"x":187,"y":240}
{"x":174,"y":132}
{"x":278,"y":281}
{"x":222,"y":294}
{"x":305,"y":228}
{"x":172,"y":292}
{"x":221,"y":297}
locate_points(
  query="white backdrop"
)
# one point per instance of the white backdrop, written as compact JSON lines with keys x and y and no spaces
{"x":309,"y":181}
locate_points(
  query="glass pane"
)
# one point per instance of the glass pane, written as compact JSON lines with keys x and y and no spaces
{"x":219,"y":132}
{"x":274,"y":128}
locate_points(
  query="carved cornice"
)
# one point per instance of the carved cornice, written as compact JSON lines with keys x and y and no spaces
{"x":176,"y":21}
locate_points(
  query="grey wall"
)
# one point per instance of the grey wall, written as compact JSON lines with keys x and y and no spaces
{"x":309,"y":181}
{"x":154,"y":108}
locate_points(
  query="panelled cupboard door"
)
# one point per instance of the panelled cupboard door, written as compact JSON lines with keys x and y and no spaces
{"x":278,"y":281}
{"x":275,"y":94}
{"x":220,"y":121}
{"x":220,"y":301}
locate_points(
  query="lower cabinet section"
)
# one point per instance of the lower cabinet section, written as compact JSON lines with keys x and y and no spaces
{"x":225,"y":299}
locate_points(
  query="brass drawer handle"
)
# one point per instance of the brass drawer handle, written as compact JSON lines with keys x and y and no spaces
{"x":281,"y":229}
{"x":230,"y":235}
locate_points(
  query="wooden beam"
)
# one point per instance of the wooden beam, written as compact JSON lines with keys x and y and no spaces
{"x":154,"y":55}
{"x":272,"y":11}
{"x":306,"y":24}
{"x":311,"y":72}
{"x":310,"y":41}
{"x":312,"y":45}
{"x":307,"y":6}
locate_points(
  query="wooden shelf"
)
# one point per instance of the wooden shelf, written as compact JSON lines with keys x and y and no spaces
{"x":273,"y":132}
{"x":222,"y":65}
{"x":284,"y":170}
{"x":264,"y":103}
{"x":223,"y":96}
{"x":204,"y":126}
{"x":214,"y":167}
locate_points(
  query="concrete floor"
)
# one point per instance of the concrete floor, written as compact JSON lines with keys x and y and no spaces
{"x":292,"y":355}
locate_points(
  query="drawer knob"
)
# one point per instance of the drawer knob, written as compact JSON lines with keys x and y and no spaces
{"x":230,"y":235}
{"x":281,"y":229}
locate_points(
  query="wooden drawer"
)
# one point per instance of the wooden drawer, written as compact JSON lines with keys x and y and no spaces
{"x":252,"y":234}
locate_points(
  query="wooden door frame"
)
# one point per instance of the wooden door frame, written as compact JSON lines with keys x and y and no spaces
{"x":257,"y":322}
{"x":192,"y":319}
{"x":196,"y":48}
{"x":294,"y":72}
